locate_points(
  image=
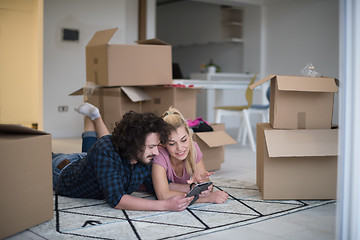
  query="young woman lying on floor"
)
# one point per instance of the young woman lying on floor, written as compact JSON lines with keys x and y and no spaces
{"x":179,"y":164}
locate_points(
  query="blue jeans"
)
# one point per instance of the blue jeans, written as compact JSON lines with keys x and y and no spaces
{"x":88,"y":140}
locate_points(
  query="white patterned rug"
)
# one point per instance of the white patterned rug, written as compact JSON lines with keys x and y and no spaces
{"x":94,"y":219}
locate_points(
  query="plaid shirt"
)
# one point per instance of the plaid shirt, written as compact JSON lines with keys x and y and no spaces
{"x":103,"y":174}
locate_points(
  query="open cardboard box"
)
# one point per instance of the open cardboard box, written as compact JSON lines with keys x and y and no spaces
{"x":114,"y":102}
{"x":212,"y":146}
{"x":147,"y":63}
{"x":25,"y":179}
{"x":296,"y":164}
{"x":300,"y":102}
{"x":181,"y":98}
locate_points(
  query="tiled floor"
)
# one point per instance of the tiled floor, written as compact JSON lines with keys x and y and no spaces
{"x":316,"y":223}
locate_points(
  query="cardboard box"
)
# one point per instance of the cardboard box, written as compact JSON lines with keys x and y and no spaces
{"x":147,"y":63}
{"x":25,"y":178}
{"x":163,"y":97}
{"x":212,"y":146}
{"x":114,"y":102}
{"x":296,"y":164}
{"x":300,"y":102}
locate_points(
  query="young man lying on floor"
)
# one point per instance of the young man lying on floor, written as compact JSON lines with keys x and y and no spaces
{"x":112,"y":167}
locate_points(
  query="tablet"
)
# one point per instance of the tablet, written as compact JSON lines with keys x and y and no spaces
{"x":200,"y":187}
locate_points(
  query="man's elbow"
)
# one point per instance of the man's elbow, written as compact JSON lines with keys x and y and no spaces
{"x":119,"y":207}
{"x":121,"y":204}
{"x":164,"y":195}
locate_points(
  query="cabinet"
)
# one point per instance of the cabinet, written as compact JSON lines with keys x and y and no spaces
{"x":181,"y":25}
{"x":232,"y":24}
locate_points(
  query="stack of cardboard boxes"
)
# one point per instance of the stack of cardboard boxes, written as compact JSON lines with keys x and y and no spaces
{"x":133,"y":77}
{"x":297,"y":151}
{"x":138,"y":77}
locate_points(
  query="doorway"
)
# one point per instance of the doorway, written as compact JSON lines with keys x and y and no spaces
{"x":21,"y":62}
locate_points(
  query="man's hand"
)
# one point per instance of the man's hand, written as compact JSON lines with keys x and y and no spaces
{"x":178,"y":203}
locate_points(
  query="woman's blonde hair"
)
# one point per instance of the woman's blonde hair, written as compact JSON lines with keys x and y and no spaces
{"x":173,"y":117}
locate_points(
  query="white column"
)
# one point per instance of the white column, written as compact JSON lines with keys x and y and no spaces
{"x":348,"y":210}
{"x":151,"y":19}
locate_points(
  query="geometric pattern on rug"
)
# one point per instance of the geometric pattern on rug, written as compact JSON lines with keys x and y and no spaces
{"x":95,"y":219}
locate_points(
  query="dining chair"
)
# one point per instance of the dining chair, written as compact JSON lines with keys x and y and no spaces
{"x":242,"y":112}
{"x":256,"y":109}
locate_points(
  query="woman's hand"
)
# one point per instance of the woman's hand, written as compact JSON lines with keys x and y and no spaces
{"x":207,"y":192}
{"x":199,"y":177}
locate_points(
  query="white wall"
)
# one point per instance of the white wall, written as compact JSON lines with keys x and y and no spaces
{"x":252,"y":38}
{"x":298,"y":32}
{"x":64,"y":62}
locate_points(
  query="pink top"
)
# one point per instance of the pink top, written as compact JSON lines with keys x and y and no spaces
{"x":163,"y":159}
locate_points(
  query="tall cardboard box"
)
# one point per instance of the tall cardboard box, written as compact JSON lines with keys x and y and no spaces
{"x":147,"y":63}
{"x":296,"y":164}
{"x":25,"y":179}
{"x":163,"y":97}
{"x":212,"y":146}
{"x":300,"y":102}
{"x":114,"y":102}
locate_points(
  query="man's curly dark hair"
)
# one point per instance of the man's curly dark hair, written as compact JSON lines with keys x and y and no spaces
{"x":130,"y":133}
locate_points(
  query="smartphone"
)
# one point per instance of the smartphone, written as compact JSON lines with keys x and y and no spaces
{"x":200,"y":187}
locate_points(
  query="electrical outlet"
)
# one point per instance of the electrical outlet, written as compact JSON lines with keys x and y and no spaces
{"x":63,"y":108}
